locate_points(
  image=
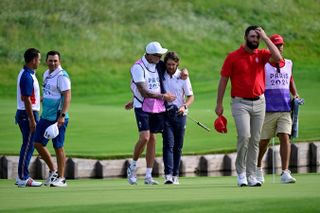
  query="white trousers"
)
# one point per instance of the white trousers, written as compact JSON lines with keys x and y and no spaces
{"x":248,"y":116}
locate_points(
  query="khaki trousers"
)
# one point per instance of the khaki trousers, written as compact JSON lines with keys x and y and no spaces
{"x":248,"y":116}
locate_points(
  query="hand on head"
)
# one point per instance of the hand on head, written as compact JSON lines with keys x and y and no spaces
{"x":261,"y":33}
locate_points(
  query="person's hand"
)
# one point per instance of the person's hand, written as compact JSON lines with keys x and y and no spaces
{"x":296,"y":96}
{"x":169,"y":97}
{"x":182,"y":110}
{"x":219,"y":109}
{"x":184,"y":74}
{"x":61,"y":121}
{"x":32,"y":125}
{"x":128,"y":105}
{"x":261,"y":33}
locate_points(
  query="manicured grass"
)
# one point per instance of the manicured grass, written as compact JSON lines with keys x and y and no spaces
{"x":194,"y":194}
{"x":109,"y":131}
{"x":100,"y":40}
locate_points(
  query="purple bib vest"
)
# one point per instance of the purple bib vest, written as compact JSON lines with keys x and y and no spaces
{"x":277,"y":92}
{"x":151,"y":105}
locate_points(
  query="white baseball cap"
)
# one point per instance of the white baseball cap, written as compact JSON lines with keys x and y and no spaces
{"x":51,"y":132}
{"x":155,"y":48}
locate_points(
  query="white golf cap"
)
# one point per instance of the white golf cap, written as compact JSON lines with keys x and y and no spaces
{"x":52,"y":131}
{"x":155,"y":48}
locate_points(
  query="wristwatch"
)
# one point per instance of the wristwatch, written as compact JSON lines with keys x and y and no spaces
{"x":185,"y":106}
{"x":63,"y":115}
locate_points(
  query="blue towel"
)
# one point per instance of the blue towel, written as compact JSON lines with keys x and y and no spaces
{"x":296,"y":102}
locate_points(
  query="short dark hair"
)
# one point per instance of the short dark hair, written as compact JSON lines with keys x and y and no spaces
{"x":31,"y":54}
{"x":173,"y":56}
{"x":52,"y":52}
{"x":252,"y":27}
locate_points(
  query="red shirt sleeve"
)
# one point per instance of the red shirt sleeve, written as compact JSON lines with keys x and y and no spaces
{"x":265,"y":55}
{"x":227,"y":67}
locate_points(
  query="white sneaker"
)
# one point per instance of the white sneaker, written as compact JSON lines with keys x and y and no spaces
{"x":242,"y":180}
{"x":259,"y":176}
{"x":17,"y":180}
{"x":150,"y":181}
{"x":286,"y":177}
{"x":168,"y":179}
{"x":131,"y":175}
{"x":175,"y":180}
{"x":252,"y":181}
{"x":59,"y":182}
{"x":53,"y":175}
{"x":29,"y":183}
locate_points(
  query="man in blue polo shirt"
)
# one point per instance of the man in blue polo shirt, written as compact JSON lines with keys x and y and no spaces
{"x":27,"y":115}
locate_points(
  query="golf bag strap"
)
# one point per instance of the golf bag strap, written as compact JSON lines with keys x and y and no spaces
{"x":138,"y":99}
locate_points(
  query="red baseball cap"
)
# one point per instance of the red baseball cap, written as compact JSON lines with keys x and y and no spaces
{"x":220,"y":124}
{"x":276,"y":39}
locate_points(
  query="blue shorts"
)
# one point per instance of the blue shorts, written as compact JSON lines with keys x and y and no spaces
{"x":149,"y":121}
{"x":58,"y":141}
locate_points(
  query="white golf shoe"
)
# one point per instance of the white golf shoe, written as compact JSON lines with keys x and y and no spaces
{"x":168,"y":179}
{"x":29,"y":183}
{"x":175,"y":180}
{"x":286,"y":177}
{"x":252,"y":181}
{"x":260,"y":176}
{"x":59,"y":182}
{"x":17,"y":180}
{"x":131,"y":175}
{"x":242,"y":180}
{"x":150,"y":181}
{"x":53,"y":175}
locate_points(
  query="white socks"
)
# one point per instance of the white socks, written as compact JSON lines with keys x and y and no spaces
{"x":148,"y":172}
{"x":133,"y":166}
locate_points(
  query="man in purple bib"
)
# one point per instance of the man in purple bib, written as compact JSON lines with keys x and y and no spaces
{"x":279,"y":85}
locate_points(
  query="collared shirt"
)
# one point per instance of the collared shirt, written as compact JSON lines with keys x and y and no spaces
{"x":143,"y":71}
{"x":246,"y":71}
{"x":54,"y":84}
{"x":28,"y":85}
{"x":178,"y":87}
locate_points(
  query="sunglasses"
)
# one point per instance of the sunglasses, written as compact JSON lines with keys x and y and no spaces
{"x":157,"y":55}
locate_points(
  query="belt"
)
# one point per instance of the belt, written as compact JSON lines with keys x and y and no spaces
{"x":23,"y":110}
{"x":249,"y":99}
{"x":252,"y":99}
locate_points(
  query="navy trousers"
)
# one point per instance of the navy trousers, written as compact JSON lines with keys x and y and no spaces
{"x":173,"y":135}
{"x":27,"y":147}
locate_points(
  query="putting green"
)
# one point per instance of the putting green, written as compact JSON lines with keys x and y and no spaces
{"x":194,"y":194}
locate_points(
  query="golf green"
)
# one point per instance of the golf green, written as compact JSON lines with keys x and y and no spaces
{"x":194,"y":194}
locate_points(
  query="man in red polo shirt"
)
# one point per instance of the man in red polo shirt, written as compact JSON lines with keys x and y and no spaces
{"x":245,"y":68}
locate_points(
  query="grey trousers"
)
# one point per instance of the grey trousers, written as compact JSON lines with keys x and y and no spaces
{"x":248,"y":116}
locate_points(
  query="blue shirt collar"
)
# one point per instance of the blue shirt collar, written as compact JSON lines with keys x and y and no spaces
{"x":28,"y":69}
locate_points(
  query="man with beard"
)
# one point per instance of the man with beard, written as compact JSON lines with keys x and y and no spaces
{"x":175,"y":119}
{"x":245,"y":68}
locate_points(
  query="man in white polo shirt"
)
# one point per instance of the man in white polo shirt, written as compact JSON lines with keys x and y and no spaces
{"x":175,"y":120}
{"x":56,"y":102}
{"x":148,"y":106}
